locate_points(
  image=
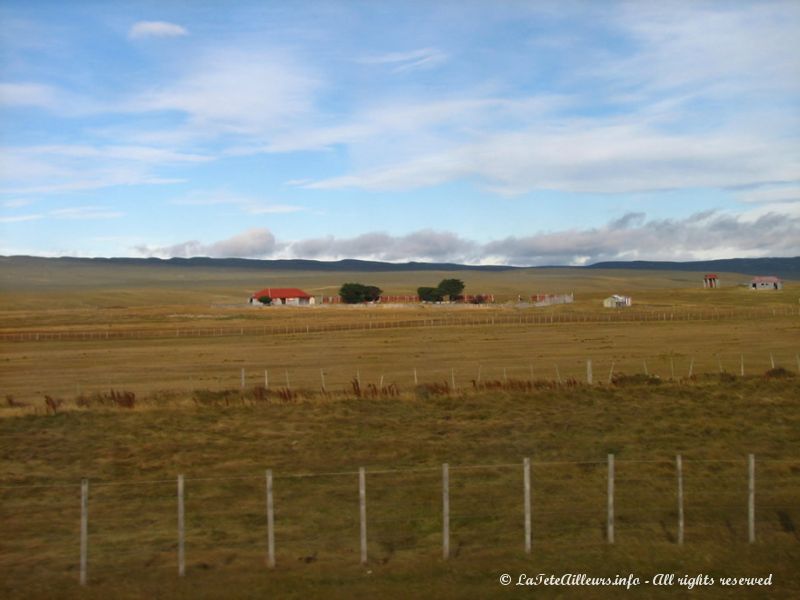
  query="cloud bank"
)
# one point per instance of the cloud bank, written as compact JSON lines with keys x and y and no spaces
{"x":701,"y":236}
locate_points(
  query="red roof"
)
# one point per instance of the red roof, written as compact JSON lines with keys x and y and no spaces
{"x":712,"y":276}
{"x":281,"y":293}
{"x":767,"y":279}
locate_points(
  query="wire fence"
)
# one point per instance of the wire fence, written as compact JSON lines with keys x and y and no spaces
{"x":273,"y":518}
{"x":296,"y":326}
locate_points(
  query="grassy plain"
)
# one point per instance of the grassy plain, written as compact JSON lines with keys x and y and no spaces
{"x":191,"y":418}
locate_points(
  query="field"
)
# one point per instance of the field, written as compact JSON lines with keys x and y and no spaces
{"x":398,"y":390}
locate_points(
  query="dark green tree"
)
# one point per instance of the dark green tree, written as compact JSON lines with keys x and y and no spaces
{"x":451,"y":287}
{"x":265,"y":300}
{"x":356,"y":293}
{"x":429,"y":294}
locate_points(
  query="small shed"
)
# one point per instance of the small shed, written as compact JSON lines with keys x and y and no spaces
{"x":711,"y":281}
{"x":767,"y":282}
{"x":617,"y":301}
{"x":283,"y":296}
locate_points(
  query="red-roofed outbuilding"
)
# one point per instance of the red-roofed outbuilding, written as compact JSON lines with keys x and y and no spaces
{"x":711,"y":280}
{"x":288,"y":296}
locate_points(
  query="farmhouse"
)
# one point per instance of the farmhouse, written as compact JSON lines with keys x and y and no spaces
{"x":769,"y":282}
{"x":711,"y":280}
{"x":285,"y":296}
{"x":616,"y":301}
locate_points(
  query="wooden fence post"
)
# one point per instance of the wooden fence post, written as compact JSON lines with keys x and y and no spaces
{"x":266,"y":379}
{"x":242,"y":378}
{"x":771,"y":360}
{"x":751,"y":498}
{"x":445,"y":511}
{"x":181,"y":530}
{"x":741,"y":365}
{"x":679,"y":470}
{"x":322,"y":376}
{"x":453,"y":378}
{"x":362,"y":512}
{"x":589,"y":371}
{"x":270,"y":523}
{"x":526,"y":474}
{"x":611,"y":372}
{"x":691,"y":367}
{"x":84,"y":529}
{"x":610,"y":516}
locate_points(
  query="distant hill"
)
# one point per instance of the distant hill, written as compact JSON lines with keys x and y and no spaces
{"x":788,"y":268}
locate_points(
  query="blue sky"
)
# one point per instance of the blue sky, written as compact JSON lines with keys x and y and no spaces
{"x":481,"y":132}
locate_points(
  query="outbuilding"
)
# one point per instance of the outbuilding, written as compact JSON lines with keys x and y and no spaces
{"x":283,"y":296}
{"x":768,"y":282}
{"x":617,"y":301}
{"x":711,"y":280}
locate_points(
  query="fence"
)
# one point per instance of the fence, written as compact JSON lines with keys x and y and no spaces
{"x":297,"y":326}
{"x":371,"y":515}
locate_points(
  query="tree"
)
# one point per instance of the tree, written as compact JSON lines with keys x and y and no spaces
{"x":265,"y":300}
{"x":451,"y":287}
{"x":356,"y":293}
{"x":429,"y":294}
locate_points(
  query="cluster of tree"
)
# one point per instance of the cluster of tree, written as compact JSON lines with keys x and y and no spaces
{"x":356,"y":293}
{"x":450,"y":289}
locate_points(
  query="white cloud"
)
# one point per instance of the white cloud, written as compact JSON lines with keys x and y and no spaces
{"x":86,"y":213}
{"x":423,"y":58}
{"x":28,"y":94}
{"x":71,"y":167}
{"x":20,"y":218}
{"x":16,"y":203}
{"x":253,"y":243}
{"x":144,"y":29}
{"x":247,"y":204}
{"x":234,"y":92}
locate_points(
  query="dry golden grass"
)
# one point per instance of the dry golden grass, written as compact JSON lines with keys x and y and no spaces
{"x":190,"y":417}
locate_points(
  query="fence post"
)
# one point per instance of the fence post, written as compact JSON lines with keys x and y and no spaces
{"x":453,"y":378}
{"x":362,"y":509}
{"x":741,"y":365}
{"x":691,"y":367}
{"x":771,"y":360}
{"x":266,"y":379}
{"x":610,"y":516}
{"x":589,"y":371}
{"x":181,"y":553}
{"x":84,"y":528}
{"x":526,"y":470}
{"x":751,"y":498}
{"x":322,"y":376}
{"x":270,"y":523}
{"x":445,"y":511}
{"x":242,"y":377}
{"x":679,"y":470}
{"x":415,"y":377}
{"x":611,"y":372}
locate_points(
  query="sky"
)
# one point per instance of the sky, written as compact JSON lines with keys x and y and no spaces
{"x":524,"y":133}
